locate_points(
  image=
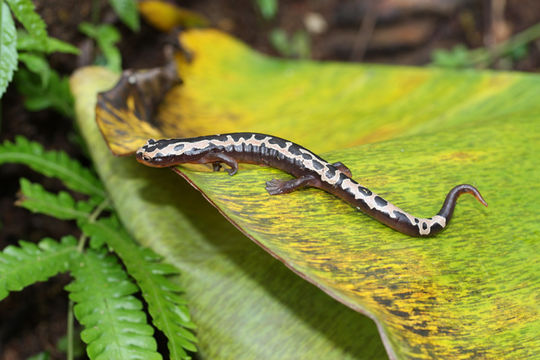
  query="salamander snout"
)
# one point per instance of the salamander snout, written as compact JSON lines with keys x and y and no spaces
{"x":147,"y":155}
{"x":141,"y":155}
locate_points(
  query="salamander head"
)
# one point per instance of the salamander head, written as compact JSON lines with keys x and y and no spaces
{"x":156,"y":153}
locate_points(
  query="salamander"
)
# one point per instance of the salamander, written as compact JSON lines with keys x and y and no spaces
{"x":307,"y":168}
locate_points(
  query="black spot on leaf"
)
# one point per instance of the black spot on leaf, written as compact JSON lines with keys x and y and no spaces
{"x":421,"y":332}
{"x":404,"y":295}
{"x":400,"y":313}
{"x":383,"y":301}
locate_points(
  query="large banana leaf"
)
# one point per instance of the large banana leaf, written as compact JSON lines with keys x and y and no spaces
{"x":246,"y":304}
{"x":409,"y":135}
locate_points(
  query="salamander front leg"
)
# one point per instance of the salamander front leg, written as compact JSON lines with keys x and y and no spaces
{"x":339,"y":165}
{"x":276,"y":187}
{"x":216,"y":166}
{"x":217,"y":158}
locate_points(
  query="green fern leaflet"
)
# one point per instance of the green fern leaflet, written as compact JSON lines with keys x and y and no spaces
{"x":62,"y":206}
{"x":164,"y":297}
{"x":115,"y":324}
{"x":28,"y":263}
{"x":52,"y":163}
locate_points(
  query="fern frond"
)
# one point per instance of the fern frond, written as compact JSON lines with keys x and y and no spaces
{"x":27,"y":42}
{"x":8,"y":50}
{"x":127,"y":12}
{"x":164,"y":297}
{"x":51,"y":163}
{"x":35,"y":198}
{"x":28,"y":263}
{"x":25,"y":12}
{"x":115,"y":324}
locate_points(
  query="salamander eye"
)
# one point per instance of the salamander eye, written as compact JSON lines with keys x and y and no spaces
{"x":146,"y":158}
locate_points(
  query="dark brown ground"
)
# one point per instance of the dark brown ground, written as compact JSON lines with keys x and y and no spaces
{"x":397,"y":32}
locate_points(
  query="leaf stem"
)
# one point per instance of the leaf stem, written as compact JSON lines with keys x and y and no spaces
{"x":484,"y":57}
{"x":70,"y":320}
{"x":96,"y":6}
{"x":92,"y":218}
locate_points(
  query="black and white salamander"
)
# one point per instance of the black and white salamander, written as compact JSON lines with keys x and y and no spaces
{"x":307,"y":168}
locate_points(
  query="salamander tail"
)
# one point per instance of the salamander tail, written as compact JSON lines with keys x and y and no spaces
{"x":447,"y":210}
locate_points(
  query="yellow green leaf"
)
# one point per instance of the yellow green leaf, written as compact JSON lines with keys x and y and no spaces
{"x":245,"y":303}
{"x":166,"y":16}
{"x":409,"y":134}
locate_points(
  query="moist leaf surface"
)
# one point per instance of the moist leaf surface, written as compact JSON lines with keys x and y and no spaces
{"x":408,"y":134}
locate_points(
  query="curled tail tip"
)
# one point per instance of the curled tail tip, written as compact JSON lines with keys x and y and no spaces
{"x":472,"y":190}
{"x":450,"y":201}
{"x":478,"y":196}
{"x":481,"y":199}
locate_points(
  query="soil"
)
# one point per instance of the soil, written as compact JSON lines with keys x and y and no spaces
{"x":385,"y":31}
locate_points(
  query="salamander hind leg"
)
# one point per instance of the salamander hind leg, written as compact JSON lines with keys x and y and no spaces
{"x":339,"y":165}
{"x":276,"y":187}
